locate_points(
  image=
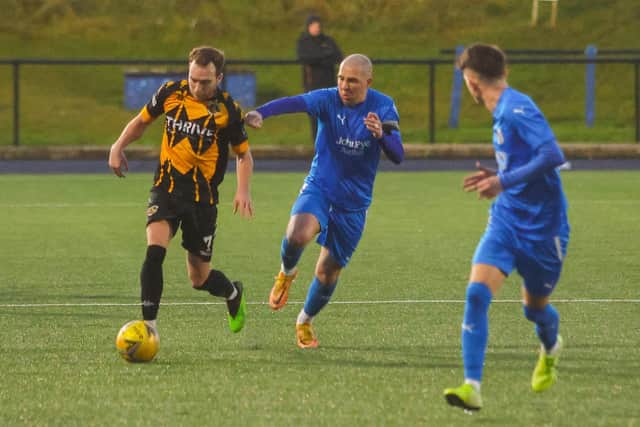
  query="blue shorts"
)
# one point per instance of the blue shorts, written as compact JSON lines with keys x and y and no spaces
{"x":539,"y":262}
{"x":340,"y":230}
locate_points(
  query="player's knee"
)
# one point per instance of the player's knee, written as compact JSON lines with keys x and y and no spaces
{"x":478,"y":294}
{"x":327,"y":275}
{"x":298,"y":239}
{"x":325,"y":278}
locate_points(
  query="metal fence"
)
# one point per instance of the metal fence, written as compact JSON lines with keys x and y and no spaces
{"x":555,"y":52}
{"x":429,"y":63}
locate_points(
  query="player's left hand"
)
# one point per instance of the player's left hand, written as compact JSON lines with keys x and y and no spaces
{"x":242,"y":203}
{"x":374,"y":124}
{"x":118,"y":161}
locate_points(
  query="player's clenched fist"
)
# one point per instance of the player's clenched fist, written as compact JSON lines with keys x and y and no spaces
{"x":253,"y":119}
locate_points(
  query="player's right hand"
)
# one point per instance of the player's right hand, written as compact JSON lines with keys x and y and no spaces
{"x":118,"y":161}
{"x":253,"y":119}
{"x":242,"y":203}
{"x":470,"y":182}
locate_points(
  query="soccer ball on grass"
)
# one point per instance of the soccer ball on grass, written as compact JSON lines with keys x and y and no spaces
{"x":137,"y":342}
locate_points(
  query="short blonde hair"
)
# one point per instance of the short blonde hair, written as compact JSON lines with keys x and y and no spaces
{"x":361,"y":61}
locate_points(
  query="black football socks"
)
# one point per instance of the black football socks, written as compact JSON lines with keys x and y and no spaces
{"x":219,"y":285}
{"x":151,"y":281}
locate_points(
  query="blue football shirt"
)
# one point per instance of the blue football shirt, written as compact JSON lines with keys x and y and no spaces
{"x":346,"y":154}
{"x":537,"y":209}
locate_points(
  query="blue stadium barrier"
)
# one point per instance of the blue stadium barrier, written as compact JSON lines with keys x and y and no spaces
{"x":140,"y":87}
{"x":242,"y":86}
{"x":590,"y":87}
{"x":456,"y":92}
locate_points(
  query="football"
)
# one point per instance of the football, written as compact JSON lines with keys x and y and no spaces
{"x":137,"y":342}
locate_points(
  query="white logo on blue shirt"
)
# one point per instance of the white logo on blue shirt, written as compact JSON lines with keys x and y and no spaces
{"x":501,"y":159}
{"x":342,"y":119}
{"x":499,"y":136}
{"x":352,"y":147}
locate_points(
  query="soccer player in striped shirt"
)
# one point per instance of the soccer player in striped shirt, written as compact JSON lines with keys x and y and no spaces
{"x":201,"y":124}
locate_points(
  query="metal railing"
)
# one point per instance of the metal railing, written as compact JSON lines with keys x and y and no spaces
{"x":430,"y":63}
{"x":556,"y":52}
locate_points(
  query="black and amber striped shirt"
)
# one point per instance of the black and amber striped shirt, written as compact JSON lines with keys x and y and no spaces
{"x":195,"y":140}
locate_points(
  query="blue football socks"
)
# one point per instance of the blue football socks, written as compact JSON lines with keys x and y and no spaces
{"x":546,"y":321}
{"x":290,"y":254}
{"x":475,"y":329}
{"x":318,"y":296}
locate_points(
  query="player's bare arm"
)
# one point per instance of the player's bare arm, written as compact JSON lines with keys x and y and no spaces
{"x":253,"y":119}
{"x":131,"y":132}
{"x":242,"y":202}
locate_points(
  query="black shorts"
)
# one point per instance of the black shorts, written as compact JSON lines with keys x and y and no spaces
{"x":197,"y":221}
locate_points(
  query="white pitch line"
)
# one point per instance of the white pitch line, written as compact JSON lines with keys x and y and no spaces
{"x":72,"y":205}
{"x":373,"y":302}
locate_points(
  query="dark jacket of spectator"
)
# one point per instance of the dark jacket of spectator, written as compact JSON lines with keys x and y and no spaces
{"x":319,"y":55}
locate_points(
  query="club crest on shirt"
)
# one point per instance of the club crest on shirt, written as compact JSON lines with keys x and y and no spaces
{"x":212,"y":107}
{"x":151,"y":210}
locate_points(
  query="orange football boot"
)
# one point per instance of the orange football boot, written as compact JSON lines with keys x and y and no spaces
{"x":305,"y":336}
{"x":280,"y":291}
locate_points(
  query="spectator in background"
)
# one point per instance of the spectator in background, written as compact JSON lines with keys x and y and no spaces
{"x":319,"y":55}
